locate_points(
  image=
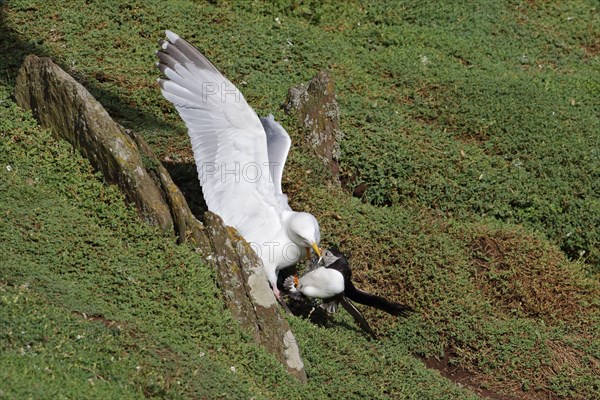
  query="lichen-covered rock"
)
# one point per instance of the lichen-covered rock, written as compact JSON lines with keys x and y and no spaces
{"x":186,"y":226}
{"x":61,"y":104}
{"x":317,"y":110}
{"x":242,"y":277}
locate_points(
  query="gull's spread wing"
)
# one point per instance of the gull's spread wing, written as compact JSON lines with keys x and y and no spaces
{"x":278,"y":146}
{"x":228,"y":140}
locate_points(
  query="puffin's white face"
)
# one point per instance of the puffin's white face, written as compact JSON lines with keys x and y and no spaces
{"x":304,"y":231}
{"x":329,"y":258}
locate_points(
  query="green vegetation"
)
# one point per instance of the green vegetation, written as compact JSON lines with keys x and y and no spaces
{"x":93,"y":304}
{"x":475,"y":127}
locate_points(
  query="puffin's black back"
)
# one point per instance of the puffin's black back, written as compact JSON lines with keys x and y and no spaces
{"x":341,"y":264}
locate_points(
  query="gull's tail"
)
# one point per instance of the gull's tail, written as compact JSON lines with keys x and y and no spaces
{"x":368,"y":299}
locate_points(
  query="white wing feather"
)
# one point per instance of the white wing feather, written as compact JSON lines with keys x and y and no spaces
{"x":278,"y":144}
{"x":228,"y":141}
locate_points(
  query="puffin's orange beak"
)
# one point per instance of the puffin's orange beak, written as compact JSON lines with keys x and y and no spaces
{"x":296,"y":281}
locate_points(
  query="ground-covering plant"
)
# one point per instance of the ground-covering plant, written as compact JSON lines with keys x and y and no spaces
{"x":474,"y":127}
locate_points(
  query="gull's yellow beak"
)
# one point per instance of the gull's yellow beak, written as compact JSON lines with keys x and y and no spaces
{"x":316,"y":249}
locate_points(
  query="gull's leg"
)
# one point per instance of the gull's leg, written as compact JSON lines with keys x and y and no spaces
{"x":279,"y":297}
{"x":276,"y":291}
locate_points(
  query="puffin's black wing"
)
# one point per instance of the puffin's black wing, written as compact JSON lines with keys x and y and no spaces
{"x":357,"y":315}
{"x":368,"y":299}
{"x":342,"y":265}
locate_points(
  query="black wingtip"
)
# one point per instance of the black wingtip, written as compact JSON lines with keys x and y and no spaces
{"x":161,"y":67}
{"x":371,"y":300}
{"x":398,"y":309}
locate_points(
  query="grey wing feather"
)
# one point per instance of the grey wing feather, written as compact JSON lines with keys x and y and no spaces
{"x":290,"y":286}
{"x":181,"y":52}
{"x":330,"y":306}
{"x":278,"y":146}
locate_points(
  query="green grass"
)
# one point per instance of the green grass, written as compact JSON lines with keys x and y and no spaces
{"x":475,"y":126}
{"x":97,"y":305}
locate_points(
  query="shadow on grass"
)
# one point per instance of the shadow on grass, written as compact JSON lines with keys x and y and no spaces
{"x":14,"y":49}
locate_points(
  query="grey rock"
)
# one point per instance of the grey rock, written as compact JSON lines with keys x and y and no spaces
{"x":186,"y":226}
{"x":242,"y":277}
{"x":316,"y":108}
{"x":59,"y":103}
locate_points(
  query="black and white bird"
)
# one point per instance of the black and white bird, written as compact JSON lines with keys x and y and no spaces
{"x":332,"y":283}
{"x":239,"y":157}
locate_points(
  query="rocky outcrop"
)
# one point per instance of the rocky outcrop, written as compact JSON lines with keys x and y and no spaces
{"x":58,"y":102}
{"x":185,"y":225}
{"x":61,"y":104}
{"x":317,"y":111}
{"x":242,"y":277}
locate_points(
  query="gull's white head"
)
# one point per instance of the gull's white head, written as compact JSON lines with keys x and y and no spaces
{"x":303,"y":229}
